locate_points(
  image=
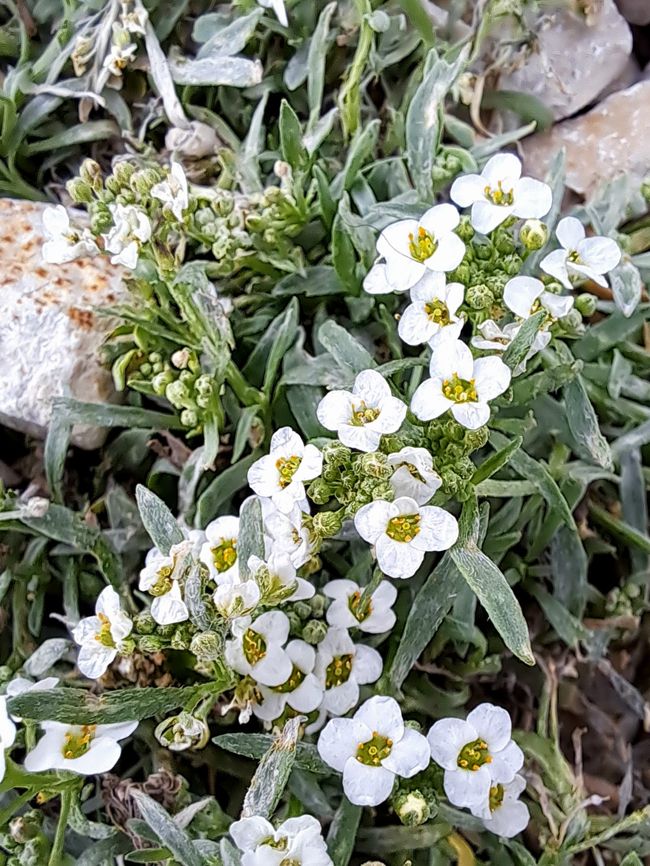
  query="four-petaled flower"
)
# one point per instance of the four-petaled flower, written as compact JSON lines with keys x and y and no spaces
{"x":280,"y":474}
{"x":500,"y":192}
{"x":64,"y":243}
{"x":371,"y":749}
{"x":362,"y":416}
{"x":278,"y":580}
{"x":85,"y":749}
{"x":342,"y":666}
{"x":346,"y":611}
{"x":101,"y":636}
{"x":301,"y":691}
{"x":476,"y":754}
{"x":172,"y":192}
{"x":414,"y":474}
{"x":460,"y":384}
{"x":256,"y":649}
{"x":407,"y":249}
{"x":403,"y":531}
{"x":219,"y":551}
{"x":131,"y":228}
{"x":296,"y":842}
{"x":431,"y":315}
{"x":525,"y":296}
{"x":287,"y":532}
{"x":503,"y":813}
{"x":161,"y":578}
{"x":580,"y":256}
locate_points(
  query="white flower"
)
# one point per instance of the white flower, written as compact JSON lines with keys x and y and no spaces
{"x":499,"y":192}
{"x":64,"y":242}
{"x":371,"y":749}
{"x":182,"y":732}
{"x":361,"y":417}
{"x":503,"y":813}
{"x":20,"y":685}
{"x":301,"y":691}
{"x":233,"y":600}
{"x":286,"y":533}
{"x":173,"y":191}
{"x":527,"y":295}
{"x":580,"y":256}
{"x":122,"y":50}
{"x":131,"y":228}
{"x":219,"y":551}
{"x":85,"y":749}
{"x":280,"y":474}
{"x":297,"y":841}
{"x":414,"y":474}
{"x":278,"y":580}
{"x":256,"y":649}
{"x":101,"y":636}
{"x":342,"y":666}
{"x":460,"y":384}
{"x":431,"y":314}
{"x":475,"y":754}
{"x":495,"y":338}
{"x":344,"y":611}
{"x":409,"y":248}
{"x":134,"y":20}
{"x":278,"y":8}
{"x":403,"y":531}
{"x":161,"y":578}
{"x":7,"y":734}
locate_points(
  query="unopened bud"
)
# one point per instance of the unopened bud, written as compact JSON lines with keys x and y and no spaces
{"x":411,"y":808}
{"x":533,"y":234}
{"x":206,"y":646}
{"x":79,"y":191}
{"x":182,"y":732}
{"x":326,"y":524}
{"x":314,"y":631}
{"x":586,"y":304}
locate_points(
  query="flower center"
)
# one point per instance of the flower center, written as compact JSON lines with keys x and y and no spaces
{"x":288,"y":862}
{"x":290,"y":685}
{"x":460,"y":390}
{"x":473,"y":755}
{"x":280,"y":844}
{"x":338,"y":671}
{"x":362,"y":414}
{"x":496,"y":797}
{"x":77,"y":744}
{"x":104,"y":636}
{"x":438,"y":312}
{"x":287,"y":467}
{"x":574,"y":257}
{"x":224,"y":555}
{"x":422,"y":246}
{"x":499,"y":195}
{"x":254,"y":646}
{"x":354,"y":602}
{"x":164,"y":582}
{"x":403,"y":528}
{"x":373,"y":752}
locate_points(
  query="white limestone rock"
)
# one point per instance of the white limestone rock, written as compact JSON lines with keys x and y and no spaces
{"x":574,"y":59}
{"x":50,"y":334}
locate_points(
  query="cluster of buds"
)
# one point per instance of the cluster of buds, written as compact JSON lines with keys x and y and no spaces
{"x":352,"y":479}
{"x":25,"y":841}
{"x":451,"y":447}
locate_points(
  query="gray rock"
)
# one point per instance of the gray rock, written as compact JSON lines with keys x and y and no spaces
{"x":609,"y":140}
{"x":635,"y":11}
{"x":574,"y":58}
{"x":50,"y":334}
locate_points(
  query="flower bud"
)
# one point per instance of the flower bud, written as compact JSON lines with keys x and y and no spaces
{"x":476,"y":438}
{"x":24,"y":828}
{"x":144,"y":623}
{"x":411,"y":808}
{"x":144,"y":179}
{"x":197,"y":141}
{"x":465,"y":229}
{"x":79,"y":191}
{"x":572,"y":320}
{"x":479,"y":297}
{"x":180,"y":358}
{"x":100,"y":218}
{"x":189,"y":418}
{"x":161,"y":380}
{"x":375,"y":464}
{"x":314,"y":631}
{"x":318,"y":604}
{"x":180,"y":639}
{"x":586,"y":304}
{"x":91,"y":173}
{"x":319,"y":491}
{"x":182,"y":732}
{"x":206,"y":646}
{"x":336,"y":452}
{"x":303,"y":609}
{"x":295,"y":623}
{"x":177,"y":393}
{"x":327,"y":523}
{"x":37,"y":506}
{"x":533,"y":234}
{"x":123,"y":172}
{"x":151,"y":643}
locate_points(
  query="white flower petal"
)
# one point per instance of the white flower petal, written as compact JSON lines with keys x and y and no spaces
{"x":485,"y":216}
{"x":441,"y":219}
{"x":335,"y":409}
{"x":467,"y":189}
{"x":466,"y":788}
{"x":428,"y":401}
{"x":366,"y":786}
{"x":555,"y":264}
{"x":520,"y":293}
{"x":415,"y":327}
{"x":506,"y":763}
{"x":376,"y":280}
{"x":371,"y":520}
{"x":450,"y":253}
{"x":382,"y":715}
{"x":446,"y":738}
{"x":471,"y":415}
{"x":557,"y":305}
{"x":367,"y":665}
{"x":248,"y":833}
{"x":438,"y":529}
{"x":339,"y":739}
{"x":491,"y":377}
{"x":93,"y":662}
{"x":601,"y":254}
{"x":504,"y":167}
{"x":491,"y":724}
{"x":340,"y":699}
{"x":570,"y":231}
{"x":452,"y":358}
{"x":409,"y":756}
{"x":397,"y":558}
{"x":509,"y":820}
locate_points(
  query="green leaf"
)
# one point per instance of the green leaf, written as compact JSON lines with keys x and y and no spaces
{"x":80,"y":707}
{"x":167,"y":830}
{"x":221,"y":489}
{"x":251,"y":535}
{"x":361,"y":149}
{"x":424,"y":119}
{"x":80,"y":133}
{"x":342,"y":833}
{"x":149,"y":855}
{"x":627,"y":287}
{"x":568,"y":627}
{"x":256,"y":745}
{"x":318,"y":48}
{"x":158,"y":520}
{"x":517,"y":351}
{"x":293,"y":150}
{"x":527,"y":106}
{"x":346,"y":351}
{"x":272,"y":774}
{"x":344,"y":257}
{"x":496,"y":461}
{"x":584,"y":427}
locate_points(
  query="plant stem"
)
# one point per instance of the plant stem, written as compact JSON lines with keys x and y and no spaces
{"x":56,"y":855}
{"x":368,"y":590}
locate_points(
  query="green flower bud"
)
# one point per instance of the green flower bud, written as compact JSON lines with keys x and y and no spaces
{"x":375,"y":464}
{"x":295,"y":623}
{"x":302,"y":609}
{"x":100,"y":218}
{"x":327,"y":523}
{"x":204,"y":385}
{"x":465,"y":230}
{"x":462,"y":274}
{"x":411,"y":808}
{"x":477,"y":438}
{"x":533,"y":234}
{"x":91,"y":173}
{"x":319,"y":491}
{"x":483,"y":252}
{"x":572,"y":320}
{"x":479,"y":297}
{"x":585,"y":304}
{"x":512,"y":265}
{"x":336,"y":452}
{"x":314,"y":631}
{"x":180,"y":639}
{"x":151,"y":643}
{"x":383,"y":490}
{"x":144,"y":623}
{"x":142,"y":181}
{"x":123,"y":172}
{"x":177,"y":393}
{"x":207,"y":646}
{"x":318,"y":604}
{"x":453,"y":430}
{"x":182,"y":732}
{"x":79,"y":191}
{"x":160,"y":381}
{"x":504,"y":244}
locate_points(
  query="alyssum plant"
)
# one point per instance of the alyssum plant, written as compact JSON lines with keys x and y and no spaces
{"x":489,"y":292}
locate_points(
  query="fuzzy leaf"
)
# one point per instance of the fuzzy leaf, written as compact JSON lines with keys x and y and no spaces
{"x":272,"y":774}
{"x":346,"y":351}
{"x":251,"y":535}
{"x":584,"y":427}
{"x":158,"y":520}
{"x":256,"y":745}
{"x":167,"y":830}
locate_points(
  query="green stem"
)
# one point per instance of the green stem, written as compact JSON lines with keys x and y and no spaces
{"x":246,"y":394}
{"x":366,"y":595}
{"x":56,"y":856}
{"x":349,"y":98}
